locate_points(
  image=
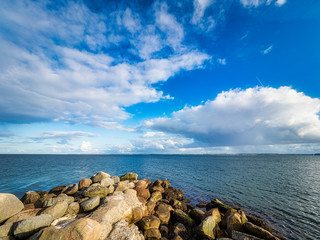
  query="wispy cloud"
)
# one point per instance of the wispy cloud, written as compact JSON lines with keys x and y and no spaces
{"x":62,"y":137}
{"x":257,"y":3}
{"x":267,"y":50}
{"x":254,"y":116}
{"x":222,"y":61}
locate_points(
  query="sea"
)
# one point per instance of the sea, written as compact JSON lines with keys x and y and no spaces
{"x":284,"y":190}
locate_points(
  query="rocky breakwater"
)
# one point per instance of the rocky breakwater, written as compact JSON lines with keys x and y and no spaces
{"x":120,"y":208}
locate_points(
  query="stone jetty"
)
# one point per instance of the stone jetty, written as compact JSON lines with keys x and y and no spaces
{"x":122,"y":208}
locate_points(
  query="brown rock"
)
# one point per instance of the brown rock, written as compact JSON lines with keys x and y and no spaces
{"x":57,"y":210}
{"x":23,"y":215}
{"x":259,"y":222}
{"x":73,"y":208}
{"x":143,"y":192}
{"x":258,"y":231}
{"x":141,"y":184}
{"x":157,"y":188}
{"x":165,"y":184}
{"x":216,"y":214}
{"x":129,"y":176}
{"x":233,"y":221}
{"x":99,"y":176}
{"x":197,"y":214}
{"x":163,"y":212}
{"x":149,"y":222}
{"x":9,"y":206}
{"x":137,"y":214}
{"x":151,"y":204}
{"x":86,"y":182}
{"x":243,"y":236}
{"x":181,"y":217}
{"x":156,"y":196}
{"x":57,"y":190}
{"x":157,"y":182}
{"x":30,"y":197}
{"x":152,"y":234}
{"x":71,"y":189}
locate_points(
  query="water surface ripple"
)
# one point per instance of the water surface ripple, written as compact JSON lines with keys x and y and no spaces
{"x":282,"y":189}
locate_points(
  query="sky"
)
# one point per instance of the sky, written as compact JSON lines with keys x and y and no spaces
{"x":144,"y":77}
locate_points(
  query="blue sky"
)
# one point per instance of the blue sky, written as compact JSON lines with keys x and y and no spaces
{"x":202,"y":76}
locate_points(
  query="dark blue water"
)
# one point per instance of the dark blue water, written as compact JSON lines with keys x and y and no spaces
{"x":282,"y":189}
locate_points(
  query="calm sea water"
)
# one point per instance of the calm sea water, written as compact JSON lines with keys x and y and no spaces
{"x":282,"y":189}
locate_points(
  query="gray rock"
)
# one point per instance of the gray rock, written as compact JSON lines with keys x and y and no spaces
{"x":90,"y":204}
{"x":9,"y":206}
{"x":99,"y":176}
{"x":57,"y":210}
{"x":5,"y":230}
{"x":73,"y":208}
{"x":107,"y":182}
{"x":30,"y":197}
{"x":122,"y":231}
{"x":116,"y":179}
{"x":243,"y":236}
{"x":51,"y":201}
{"x":207,"y":226}
{"x":258,"y":231}
{"x":96,"y":190}
{"x":29,"y":226}
{"x":129,"y":176}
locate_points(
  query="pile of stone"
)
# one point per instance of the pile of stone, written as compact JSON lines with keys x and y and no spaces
{"x":122,"y":208}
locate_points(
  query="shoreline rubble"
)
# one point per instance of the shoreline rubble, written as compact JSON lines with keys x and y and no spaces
{"x":108,"y":207}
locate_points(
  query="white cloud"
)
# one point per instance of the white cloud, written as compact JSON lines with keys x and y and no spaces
{"x":199,"y":8}
{"x":257,"y":3}
{"x":86,"y":146}
{"x":46,"y":76}
{"x":254,"y":116}
{"x":222,"y":61}
{"x":153,"y":134}
{"x":267,"y":50}
{"x":280,"y":2}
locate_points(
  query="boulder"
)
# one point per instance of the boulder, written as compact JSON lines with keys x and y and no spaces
{"x":30,"y":197}
{"x":164,"y":230}
{"x":151,"y":204}
{"x":57,"y":190}
{"x":5,"y":230}
{"x":31,"y":225}
{"x":207,"y":226}
{"x":149,"y":222}
{"x":9,"y":206}
{"x":122,"y":186}
{"x":107,"y":182}
{"x":243,"y":236}
{"x":163,"y":212}
{"x":181,"y":217}
{"x":259,"y":222}
{"x":86,"y":182}
{"x":197,"y":214}
{"x":156,"y":196}
{"x":170,"y":193}
{"x":258,"y":231}
{"x":96,"y":190}
{"x":116,"y":179}
{"x":129,"y":176}
{"x":233,"y":221}
{"x":143,"y":192}
{"x":81,"y":229}
{"x":51,"y":201}
{"x":137,"y":214}
{"x":71,"y":189}
{"x":99,"y":176}
{"x":73,"y":208}
{"x":122,"y":230}
{"x":90,"y":204}
{"x":217,"y":203}
{"x":141,"y":184}
{"x":157,"y":188}
{"x":165,"y":184}
{"x":23,"y":215}
{"x":59,"y":222}
{"x":179,"y":230}
{"x":114,"y":208}
{"x":217,"y":216}
{"x":152,"y":234}
{"x":57,"y":210}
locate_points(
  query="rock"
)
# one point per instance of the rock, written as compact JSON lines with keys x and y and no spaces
{"x":217,"y":203}
{"x":197,"y":214}
{"x":30,"y":197}
{"x":143,"y":192}
{"x":90,"y":204}
{"x":259,"y":222}
{"x":151,"y":204}
{"x":179,"y":229}
{"x":258,"y":231}
{"x":164,"y":230}
{"x":122,"y":231}
{"x":170,"y":193}
{"x":141,"y":184}
{"x":181,"y":217}
{"x":71,"y":189}
{"x":233,"y":221}
{"x":157,"y":188}
{"x":149,"y":222}
{"x":57,"y":210}
{"x":157,"y":196}
{"x":137,"y":214}
{"x":107,"y":182}
{"x":9,"y":206}
{"x":57,"y":190}
{"x":73,"y":208}
{"x":243,"y":236}
{"x":152,"y":234}
{"x":31,"y":225}
{"x":129,"y":176}
{"x":86,"y":182}
{"x":59,"y":222}
{"x":165,"y":184}
{"x":131,"y":185}
{"x":7,"y":238}
{"x":216,"y":214}
{"x":178,"y":205}
{"x":51,"y":201}
{"x":96,"y":190}
{"x":207,"y":226}
{"x":81,"y":229}
{"x":114,"y":208}
{"x":5,"y":230}
{"x":29,"y":206}
{"x":122,"y":186}
{"x":163,"y":212}
{"x":99,"y":176}
{"x":23,"y":215}
{"x":201,"y":205}
{"x":157,"y":182}
{"x":116,"y":179}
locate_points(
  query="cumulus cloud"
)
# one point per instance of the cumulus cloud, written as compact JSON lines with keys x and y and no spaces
{"x":253,"y":116}
{"x":68,"y":64}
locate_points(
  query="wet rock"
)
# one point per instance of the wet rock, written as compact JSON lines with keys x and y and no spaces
{"x":57,"y":210}
{"x":86,"y":182}
{"x":90,"y":204}
{"x":31,"y":225}
{"x":107,"y":182}
{"x":116,"y":179}
{"x":217,"y":203}
{"x":233,"y":221}
{"x":114,"y":208}
{"x":181,"y":217}
{"x":57,"y":190}
{"x":73,"y":208}
{"x":259,"y":222}
{"x":202,"y":205}
{"x":99,"y":176}
{"x":179,"y":230}
{"x":178,"y":205}
{"x":164,"y":230}
{"x":9,"y":206}
{"x":258,"y":231}
{"x":129,"y":176}
{"x":157,"y":188}
{"x":51,"y":201}
{"x":170,"y":193}
{"x":81,"y":229}
{"x":96,"y":190}
{"x":197,"y":214}
{"x":165,"y":184}
{"x":152,"y":234}
{"x":30,"y":197}
{"x":163,"y":212}
{"x":122,"y":231}
{"x":71,"y":189}
{"x":243,"y":236}
{"x":156,"y":196}
{"x":149,"y":222}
